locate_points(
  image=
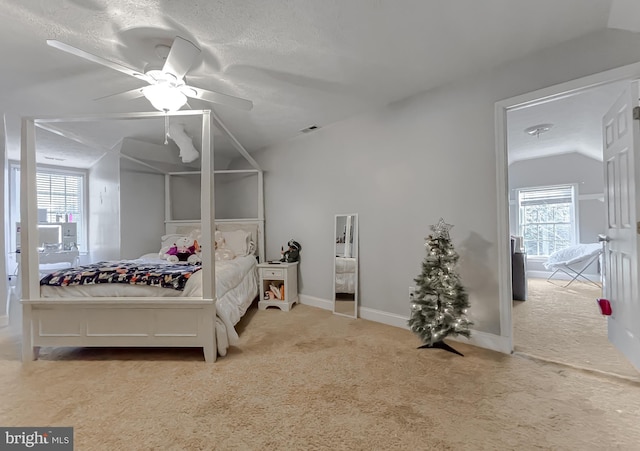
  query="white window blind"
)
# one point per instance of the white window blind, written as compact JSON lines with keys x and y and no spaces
{"x":546,"y":196}
{"x":60,"y":194}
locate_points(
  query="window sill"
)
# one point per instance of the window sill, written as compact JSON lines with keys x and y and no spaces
{"x":537,"y":258}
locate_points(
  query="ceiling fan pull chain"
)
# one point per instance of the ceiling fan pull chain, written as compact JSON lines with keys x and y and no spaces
{"x":166,"y":129}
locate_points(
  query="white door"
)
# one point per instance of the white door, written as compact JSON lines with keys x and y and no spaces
{"x":621,"y":139}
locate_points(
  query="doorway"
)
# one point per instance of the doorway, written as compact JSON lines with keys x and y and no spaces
{"x":559,"y":331}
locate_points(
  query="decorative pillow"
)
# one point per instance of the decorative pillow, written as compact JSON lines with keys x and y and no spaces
{"x":224,"y":254}
{"x":188,"y":231}
{"x":196,"y":234}
{"x":169,"y":240}
{"x":239,"y":241}
{"x":218,"y":240}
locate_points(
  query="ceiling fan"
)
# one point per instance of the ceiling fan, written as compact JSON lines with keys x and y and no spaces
{"x":166,"y":90}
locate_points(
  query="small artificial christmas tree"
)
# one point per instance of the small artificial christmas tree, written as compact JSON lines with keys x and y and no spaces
{"x":439,"y":302}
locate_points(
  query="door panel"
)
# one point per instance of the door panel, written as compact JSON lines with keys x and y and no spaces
{"x":610,"y":179}
{"x":620,"y":141}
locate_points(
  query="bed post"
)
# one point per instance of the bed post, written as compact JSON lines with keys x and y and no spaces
{"x":28,"y":265}
{"x":262,"y":252}
{"x":207,"y":226}
{"x":28,"y":351}
{"x":209,"y":348}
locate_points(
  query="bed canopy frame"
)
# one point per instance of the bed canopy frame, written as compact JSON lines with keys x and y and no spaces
{"x":128,"y":321}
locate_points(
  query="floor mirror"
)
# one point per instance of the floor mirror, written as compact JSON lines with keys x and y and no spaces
{"x":345,"y":265}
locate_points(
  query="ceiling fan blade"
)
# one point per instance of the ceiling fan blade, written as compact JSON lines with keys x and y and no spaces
{"x":96,"y":59}
{"x":126,"y":95}
{"x":217,"y":97}
{"x":181,"y":57}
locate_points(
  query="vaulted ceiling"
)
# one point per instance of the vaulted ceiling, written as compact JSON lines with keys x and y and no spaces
{"x":301,"y":62}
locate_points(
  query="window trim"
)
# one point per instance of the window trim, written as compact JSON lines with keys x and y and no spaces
{"x":575,"y":212}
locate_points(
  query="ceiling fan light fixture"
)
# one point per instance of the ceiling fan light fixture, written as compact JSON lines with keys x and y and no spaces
{"x":178,"y":59}
{"x":537,"y":130}
{"x":165,"y":97}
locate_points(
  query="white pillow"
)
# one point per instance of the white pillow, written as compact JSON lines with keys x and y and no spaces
{"x":169,"y":240}
{"x":239,"y":241}
{"x":218,"y":240}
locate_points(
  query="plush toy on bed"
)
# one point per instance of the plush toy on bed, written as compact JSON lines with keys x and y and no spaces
{"x":222,"y":251}
{"x":185,"y":249}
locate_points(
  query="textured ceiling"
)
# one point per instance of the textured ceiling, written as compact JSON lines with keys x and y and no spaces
{"x":576,"y":125}
{"x":301,"y":62}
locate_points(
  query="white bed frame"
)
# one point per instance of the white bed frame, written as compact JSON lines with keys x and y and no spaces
{"x":125,"y":322}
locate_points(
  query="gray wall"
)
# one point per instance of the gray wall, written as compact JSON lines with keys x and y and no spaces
{"x":185,"y":195}
{"x":405,"y":166}
{"x":586,"y":172}
{"x":141,"y":211}
{"x":142,"y":194}
{"x":236,"y":196}
{"x":104,"y":208}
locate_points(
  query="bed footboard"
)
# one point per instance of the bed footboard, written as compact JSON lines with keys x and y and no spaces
{"x":121,"y":322}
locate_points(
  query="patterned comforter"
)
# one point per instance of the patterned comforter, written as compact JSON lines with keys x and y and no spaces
{"x":130,"y":272}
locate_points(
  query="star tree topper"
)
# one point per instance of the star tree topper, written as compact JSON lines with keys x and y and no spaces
{"x":441,"y":229}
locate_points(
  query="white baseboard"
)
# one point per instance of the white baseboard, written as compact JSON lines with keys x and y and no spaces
{"x":316,"y":302}
{"x":480,"y":339}
{"x":390,"y":319}
{"x":486,"y":340}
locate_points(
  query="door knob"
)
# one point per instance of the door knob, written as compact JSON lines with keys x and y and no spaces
{"x":603,"y":238}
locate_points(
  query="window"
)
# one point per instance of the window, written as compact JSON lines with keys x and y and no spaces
{"x":547,"y":218}
{"x":60,"y":195}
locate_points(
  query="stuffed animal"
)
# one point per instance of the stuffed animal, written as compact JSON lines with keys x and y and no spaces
{"x":185,"y":249}
{"x":222,"y":251}
{"x":293,"y":253}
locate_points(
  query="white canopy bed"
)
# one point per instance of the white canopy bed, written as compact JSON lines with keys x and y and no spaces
{"x":201,"y":313}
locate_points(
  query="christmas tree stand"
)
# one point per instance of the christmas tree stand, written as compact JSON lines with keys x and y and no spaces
{"x":441,"y":345}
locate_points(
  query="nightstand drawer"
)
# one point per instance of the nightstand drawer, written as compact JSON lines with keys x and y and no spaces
{"x":268,"y":272}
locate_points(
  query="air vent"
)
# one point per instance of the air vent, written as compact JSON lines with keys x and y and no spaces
{"x":309,"y":129}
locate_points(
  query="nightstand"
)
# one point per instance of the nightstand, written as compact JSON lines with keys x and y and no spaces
{"x":282,"y":276}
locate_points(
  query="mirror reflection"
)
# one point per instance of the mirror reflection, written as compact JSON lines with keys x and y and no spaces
{"x":345,"y":280}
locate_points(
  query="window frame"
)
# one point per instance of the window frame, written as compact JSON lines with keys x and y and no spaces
{"x":14,"y":200}
{"x":575,"y":228}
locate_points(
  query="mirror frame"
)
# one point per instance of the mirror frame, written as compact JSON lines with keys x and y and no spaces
{"x":356,"y":252}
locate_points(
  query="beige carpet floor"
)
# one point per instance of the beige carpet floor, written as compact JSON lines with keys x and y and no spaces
{"x":565,"y":325}
{"x":310,"y":380}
